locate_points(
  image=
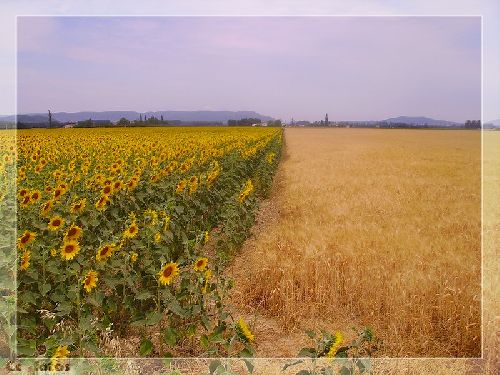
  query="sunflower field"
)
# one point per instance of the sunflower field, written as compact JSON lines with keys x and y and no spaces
{"x":129,"y":229}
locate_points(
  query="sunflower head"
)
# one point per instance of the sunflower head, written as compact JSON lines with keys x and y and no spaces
{"x":157,"y":237}
{"x":105,"y":252}
{"x":26,"y":238}
{"x":70,"y":249}
{"x":334,"y":344}
{"x":131,"y":231}
{"x":57,"y":193}
{"x":61,"y":352}
{"x":55,"y":223}
{"x":73,"y":233}
{"x":90,"y":281}
{"x":244,"y":332}
{"x":133,"y":257}
{"x":167,"y":273}
{"x":200,"y":264}
{"x":180,"y":187}
{"x":26,"y":201}
{"x":107,"y":190}
{"x":25,"y":260}
{"x":117,"y":185}
{"x":36,"y":196}
{"x":78,"y":207}
{"x":46,"y":207}
{"x":102,"y":203}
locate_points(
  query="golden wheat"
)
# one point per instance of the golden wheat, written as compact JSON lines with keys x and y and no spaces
{"x":373,"y":227}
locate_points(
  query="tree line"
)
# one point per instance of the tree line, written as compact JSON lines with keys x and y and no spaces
{"x":253,"y":121}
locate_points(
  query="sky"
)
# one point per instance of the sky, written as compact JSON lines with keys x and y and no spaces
{"x":354,"y":68}
{"x":355,"y":72}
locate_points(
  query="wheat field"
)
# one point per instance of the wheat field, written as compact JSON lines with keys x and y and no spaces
{"x":370,"y":227}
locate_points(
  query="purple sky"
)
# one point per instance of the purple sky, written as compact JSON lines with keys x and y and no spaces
{"x":354,"y":68}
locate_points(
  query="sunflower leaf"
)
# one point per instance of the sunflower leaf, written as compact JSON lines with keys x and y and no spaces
{"x":146,"y":347}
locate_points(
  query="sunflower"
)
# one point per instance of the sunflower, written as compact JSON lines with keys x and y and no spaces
{"x":73,"y":233}
{"x":57,"y":193}
{"x":107,"y":190}
{"x":132,"y":184}
{"x":53,"y":252}
{"x":334,"y":345}
{"x":36,"y":196}
{"x":131,"y":231}
{"x":200,"y":264}
{"x":117,"y":185}
{"x":206,"y":237}
{"x":69,"y":249}
{"x":102,"y":203}
{"x":46,"y":207}
{"x":133,"y":257}
{"x":61,"y":352}
{"x":247,"y":190}
{"x":26,"y":201}
{"x":193,"y":184}
{"x":90,"y":281}
{"x":27,"y":238}
{"x":55,"y":223}
{"x":150,"y":217}
{"x":167,"y":273}
{"x":180,"y":186}
{"x":105,"y":252}
{"x":25,"y":260}
{"x":78,"y":207}
{"x":185,"y":167}
{"x":22,"y":193}
{"x":157,"y":237}
{"x":244,"y":332}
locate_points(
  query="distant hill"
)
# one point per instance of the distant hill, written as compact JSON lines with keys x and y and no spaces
{"x":214,"y":116}
{"x":421,"y":121}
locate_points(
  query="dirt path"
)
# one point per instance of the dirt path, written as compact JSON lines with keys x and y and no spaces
{"x":272,"y":339}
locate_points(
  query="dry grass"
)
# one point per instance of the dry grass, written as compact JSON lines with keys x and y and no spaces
{"x":378,"y":228}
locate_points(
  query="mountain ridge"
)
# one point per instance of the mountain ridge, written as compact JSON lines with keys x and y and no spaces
{"x":186,"y":116}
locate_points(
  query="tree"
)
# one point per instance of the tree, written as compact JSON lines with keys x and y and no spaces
{"x":123,"y":122}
